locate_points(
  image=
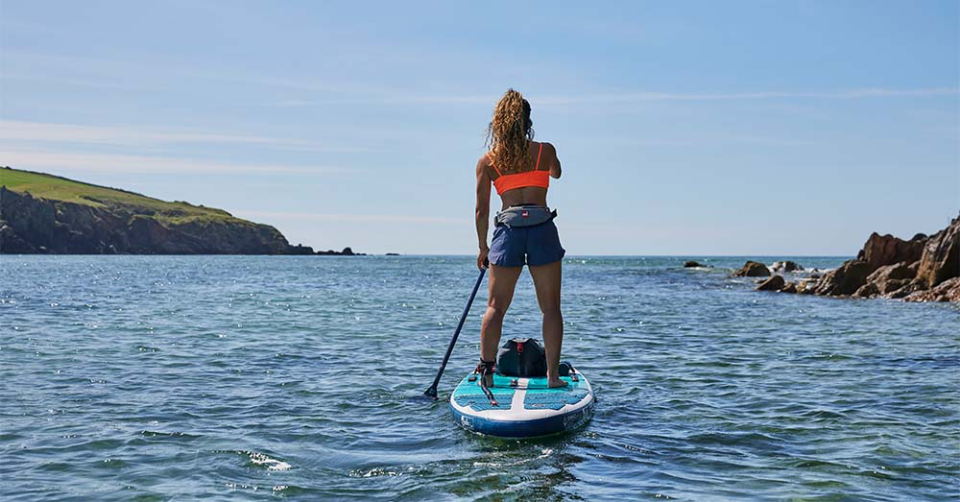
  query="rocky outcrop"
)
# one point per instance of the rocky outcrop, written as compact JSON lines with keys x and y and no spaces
{"x":346,"y":252}
{"x":940,"y":259}
{"x":36,"y":225}
{"x":921,"y":269}
{"x":881,"y":250}
{"x":785,"y":266}
{"x":844,"y":280}
{"x":752,"y":269}
{"x":946,"y":291}
{"x":886,"y":280}
{"x":694,"y":264}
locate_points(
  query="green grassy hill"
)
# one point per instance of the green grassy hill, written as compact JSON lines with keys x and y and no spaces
{"x":41,"y":213}
{"x":47,"y":186}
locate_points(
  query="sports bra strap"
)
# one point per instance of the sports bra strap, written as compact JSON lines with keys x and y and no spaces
{"x":494,"y":166}
{"x":535,"y":168}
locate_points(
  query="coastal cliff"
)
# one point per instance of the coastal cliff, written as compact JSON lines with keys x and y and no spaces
{"x":922,"y":269}
{"x":40,"y":213}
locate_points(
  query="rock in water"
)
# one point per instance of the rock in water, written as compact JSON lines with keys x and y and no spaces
{"x":868,"y":290}
{"x":940,"y":259}
{"x":789,"y":288}
{"x":891,"y":272}
{"x":693,"y":264}
{"x":845,"y":280}
{"x":752,"y":269}
{"x":785,"y":266}
{"x":774,"y":283}
{"x":887,"y":279}
{"x":946,"y":291}
{"x":806,"y":286}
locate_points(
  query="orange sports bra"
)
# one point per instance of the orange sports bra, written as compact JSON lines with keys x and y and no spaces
{"x":535,"y":178}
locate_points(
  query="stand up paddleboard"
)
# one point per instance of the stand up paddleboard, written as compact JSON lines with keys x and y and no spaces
{"x":525,"y":407}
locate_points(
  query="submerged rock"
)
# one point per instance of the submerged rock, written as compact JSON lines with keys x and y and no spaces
{"x":693,"y":264}
{"x":752,"y":269}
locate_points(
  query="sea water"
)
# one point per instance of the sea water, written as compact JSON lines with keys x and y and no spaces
{"x":254,"y":378}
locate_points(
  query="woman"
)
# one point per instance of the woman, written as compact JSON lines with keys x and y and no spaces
{"x":520,"y":169}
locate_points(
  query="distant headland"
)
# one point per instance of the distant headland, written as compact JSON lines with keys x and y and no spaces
{"x":45,"y":214}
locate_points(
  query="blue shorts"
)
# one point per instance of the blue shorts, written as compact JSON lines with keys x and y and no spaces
{"x":519,"y":246}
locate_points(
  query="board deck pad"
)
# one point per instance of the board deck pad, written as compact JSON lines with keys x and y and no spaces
{"x":529,"y":408}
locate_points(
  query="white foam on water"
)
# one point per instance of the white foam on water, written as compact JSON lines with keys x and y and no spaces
{"x":546,"y":452}
{"x":375,"y":472}
{"x":270,"y":462}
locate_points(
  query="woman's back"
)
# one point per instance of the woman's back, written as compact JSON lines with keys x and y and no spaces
{"x":527,"y":185}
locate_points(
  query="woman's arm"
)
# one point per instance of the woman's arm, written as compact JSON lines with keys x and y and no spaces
{"x":483,"y":210}
{"x":555,"y":170}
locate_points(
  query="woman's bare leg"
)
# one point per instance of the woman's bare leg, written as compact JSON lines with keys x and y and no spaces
{"x":546,"y":280}
{"x":503,"y":280}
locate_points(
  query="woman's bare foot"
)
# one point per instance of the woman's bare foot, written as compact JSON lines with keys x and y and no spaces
{"x":556,"y":383}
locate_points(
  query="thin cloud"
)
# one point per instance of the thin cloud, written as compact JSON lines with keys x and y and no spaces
{"x":13,"y":130}
{"x":620,"y":98}
{"x":744,"y":96}
{"x":353,"y":218}
{"x":115,"y":163}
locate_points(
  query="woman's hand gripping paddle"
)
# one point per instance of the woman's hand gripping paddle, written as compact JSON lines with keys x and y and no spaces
{"x":432,"y":391}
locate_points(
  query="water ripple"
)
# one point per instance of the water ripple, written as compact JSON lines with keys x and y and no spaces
{"x":249,"y":378}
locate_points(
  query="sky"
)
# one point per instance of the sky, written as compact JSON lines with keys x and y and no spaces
{"x":684,"y":128}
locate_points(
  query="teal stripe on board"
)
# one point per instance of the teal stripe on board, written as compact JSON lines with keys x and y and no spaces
{"x":553,"y":399}
{"x":469,"y":394}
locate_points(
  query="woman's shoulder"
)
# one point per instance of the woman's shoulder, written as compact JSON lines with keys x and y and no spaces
{"x":486,"y":160}
{"x":548,"y":147}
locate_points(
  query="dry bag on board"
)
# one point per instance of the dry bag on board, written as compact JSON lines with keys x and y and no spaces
{"x":522,"y":357}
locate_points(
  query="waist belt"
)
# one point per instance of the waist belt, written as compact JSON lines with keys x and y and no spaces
{"x":526,"y":215}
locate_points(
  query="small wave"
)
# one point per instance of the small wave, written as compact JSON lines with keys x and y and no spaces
{"x":261,"y":459}
{"x":271,"y":463}
{"x":374,"y":473}
{"x":162,"y":434}
{"x":546,"y":452}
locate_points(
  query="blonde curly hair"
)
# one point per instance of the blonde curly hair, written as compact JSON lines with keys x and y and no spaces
{"x":510,"y":132}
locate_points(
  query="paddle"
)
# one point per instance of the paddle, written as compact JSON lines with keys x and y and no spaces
{"x":432,"y":391}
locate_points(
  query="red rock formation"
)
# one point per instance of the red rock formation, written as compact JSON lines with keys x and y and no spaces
{"x":845,"y":279}
{"x":941,"y":257}
{"x":881,"y":250}
{"x":914,"y":270}
{"x":946,"y":291}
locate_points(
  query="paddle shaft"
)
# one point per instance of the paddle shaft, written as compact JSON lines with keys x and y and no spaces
{"x":432,"y":391}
